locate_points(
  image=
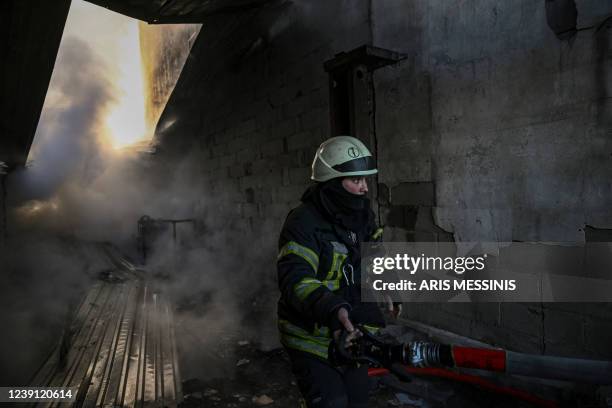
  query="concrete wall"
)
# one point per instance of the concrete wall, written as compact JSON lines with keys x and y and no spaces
{"x":491,"y":129}
{"x":247,"y":113}
{"x":253,"y":102}
{"x":501,"y":132}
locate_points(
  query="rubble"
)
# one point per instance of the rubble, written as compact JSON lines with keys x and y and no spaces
{"x":242,"y":361}
{"x":262,"y":400}
{"x":405,"y":399}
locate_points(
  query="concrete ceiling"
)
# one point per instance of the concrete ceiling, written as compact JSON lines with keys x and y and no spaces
{"x":176,"y":11}
{"x":30,"y":35}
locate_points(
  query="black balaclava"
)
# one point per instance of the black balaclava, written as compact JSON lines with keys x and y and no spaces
{"x":339,"y":206}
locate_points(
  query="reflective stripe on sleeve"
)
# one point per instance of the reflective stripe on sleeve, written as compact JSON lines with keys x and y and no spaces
{"x":377,"y":234}
{"x":307,"y":254}
{"x":372,"y":329}
{"x":332,"y":285}
{"x":321,"y":331}
{"x":305,"y":287}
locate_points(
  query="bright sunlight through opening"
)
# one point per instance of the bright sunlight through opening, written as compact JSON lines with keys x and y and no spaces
{"x":126,"y":123}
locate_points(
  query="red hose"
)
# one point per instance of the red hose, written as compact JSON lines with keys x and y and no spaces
{"x":475,"y":380}
{"x":377,"y":372}
{"x":480,"y":358}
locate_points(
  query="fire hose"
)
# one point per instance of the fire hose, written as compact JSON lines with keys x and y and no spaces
{"x":420,"y":357}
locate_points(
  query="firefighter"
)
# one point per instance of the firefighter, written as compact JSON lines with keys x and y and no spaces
{"x":319,"y":274}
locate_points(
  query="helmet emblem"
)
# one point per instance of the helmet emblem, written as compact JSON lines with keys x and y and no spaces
{"x":353,"y":152}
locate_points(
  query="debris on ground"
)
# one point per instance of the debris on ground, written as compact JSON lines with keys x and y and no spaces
{"x":242,"y":362}
{"x":245,"y":375}
{"x":262,"y":400}
{"x":405,"y":399}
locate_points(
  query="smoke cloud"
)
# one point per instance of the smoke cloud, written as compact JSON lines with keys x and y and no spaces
{"x":45,"y":267}
{"x":77,"y":191}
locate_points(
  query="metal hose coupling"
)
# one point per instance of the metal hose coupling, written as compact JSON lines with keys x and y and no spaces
{"x":425,"y":354}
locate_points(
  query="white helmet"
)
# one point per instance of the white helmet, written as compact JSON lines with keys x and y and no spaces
{"x":342,"y":156}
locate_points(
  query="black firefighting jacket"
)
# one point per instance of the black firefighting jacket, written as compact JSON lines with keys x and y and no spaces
{"x":319,"y":270}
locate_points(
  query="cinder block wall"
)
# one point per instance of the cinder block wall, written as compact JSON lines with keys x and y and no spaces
{"x":247,"y":113}
{"x":494,"y":129}
{"x":252,"y":104}
{"x":491,"y":129}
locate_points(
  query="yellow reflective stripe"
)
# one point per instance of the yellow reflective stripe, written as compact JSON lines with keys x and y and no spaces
{"x":307,"y":254}
{"x":371,"y":329}
{"x":304,"y":345}
{"x":332,"y":284}
{"x":295,"y":337}
{"x":305,"y":287}
{"x":332,"y":280}
{"x":321,"y":331}
{"x":296,"y":331}
{"x":334,"y":270}
{"x":377,"y":233}
{"x":330,"y":273}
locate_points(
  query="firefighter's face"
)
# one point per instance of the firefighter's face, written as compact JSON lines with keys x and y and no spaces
{"x":355,"y":185}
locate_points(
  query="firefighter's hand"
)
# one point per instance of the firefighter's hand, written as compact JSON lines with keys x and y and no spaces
{"x":343,"y":317}
{"x":394,"y":309}
{"x":397,"y":310}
